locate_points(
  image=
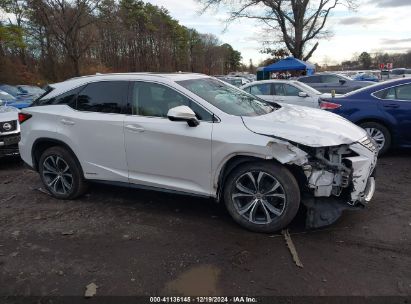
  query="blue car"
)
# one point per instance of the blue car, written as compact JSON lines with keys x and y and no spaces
{"x":383,"y":110}
{"x":366,"y":77}
{"x":21,"y":100}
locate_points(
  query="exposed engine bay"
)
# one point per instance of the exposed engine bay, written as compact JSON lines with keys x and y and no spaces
{"x":337,"y":178}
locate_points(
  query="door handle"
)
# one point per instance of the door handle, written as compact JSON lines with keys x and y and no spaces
{"x":391,"y":105}
{"x":135,"y":128}
{"x":67,"y":122}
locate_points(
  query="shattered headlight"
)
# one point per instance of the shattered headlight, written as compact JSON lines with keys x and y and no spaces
{"x":369,"y":143}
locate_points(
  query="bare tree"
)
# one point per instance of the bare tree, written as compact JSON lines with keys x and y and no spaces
{"x":69,"y":22}
{"x":297,"y":24}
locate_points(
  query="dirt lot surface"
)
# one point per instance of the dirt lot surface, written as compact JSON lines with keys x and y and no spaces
{"x":134,"y":242}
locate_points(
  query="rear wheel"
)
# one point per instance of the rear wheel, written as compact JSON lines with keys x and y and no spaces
{"x":262,"y":196}
{"x":380,"y":134}
{"x":61,"y":174}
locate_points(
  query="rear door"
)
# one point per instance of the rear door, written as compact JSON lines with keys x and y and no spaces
{"x":397,"y":105}
{"x":93,"y":127}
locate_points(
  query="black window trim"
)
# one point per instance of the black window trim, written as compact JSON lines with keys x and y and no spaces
{"x":128,"y":112}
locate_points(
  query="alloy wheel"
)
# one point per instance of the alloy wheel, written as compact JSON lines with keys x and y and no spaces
{"x":57,"y":174}
{"x":259,"y":197}
{"x":377,"y":135}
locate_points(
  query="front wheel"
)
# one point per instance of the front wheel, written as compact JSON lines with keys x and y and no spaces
{"x":61,"y":174}
{"x":380,"y":134}
{"x":262,"y":196}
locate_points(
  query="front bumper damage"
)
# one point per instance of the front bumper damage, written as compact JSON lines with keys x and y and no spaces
{"x":334,"y":178}
{"x":9,"y":144}
{"x":339,"y":178}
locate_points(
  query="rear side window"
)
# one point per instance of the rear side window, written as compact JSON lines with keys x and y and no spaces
{"x":103,"y":96}
{"x":402,"y":92}
{"x":398,"y":72}
{"x":311,"y":79}
{"x":40,"y":101}
{"x":330,"y":79}
{"x":291,"y":90}
{"x":279,"y":89}
{"x":67,"y":98}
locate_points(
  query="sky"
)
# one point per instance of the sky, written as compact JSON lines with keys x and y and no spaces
{"x":375,"y":26}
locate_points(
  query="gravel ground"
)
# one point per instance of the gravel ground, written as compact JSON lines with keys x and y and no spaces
{"x":134,"y":242}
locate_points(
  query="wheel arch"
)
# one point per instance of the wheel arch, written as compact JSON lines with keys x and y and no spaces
{"x":42,"y":144}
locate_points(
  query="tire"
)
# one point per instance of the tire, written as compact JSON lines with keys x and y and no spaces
{"x":273,"y":209}
{"x":377,"y":131}
{"x":61,"y":166}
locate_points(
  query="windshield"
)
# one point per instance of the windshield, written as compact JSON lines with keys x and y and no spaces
{"x":227,"y":98}
{"x":6,"y":96}
{"x":10,"y":89}
{"x":30,"y":89}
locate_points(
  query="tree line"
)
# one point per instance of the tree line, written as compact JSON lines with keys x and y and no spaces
{"x":372,"y":61}
{"x":52,"y":40}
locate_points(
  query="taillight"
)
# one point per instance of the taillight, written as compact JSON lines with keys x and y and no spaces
{"x":326,"y":105}
{"x":23,"y":117}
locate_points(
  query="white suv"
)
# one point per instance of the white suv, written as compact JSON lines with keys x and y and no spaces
{"x":194,"y":134}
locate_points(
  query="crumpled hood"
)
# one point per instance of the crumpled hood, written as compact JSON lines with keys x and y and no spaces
{"x":307,"y":126}
{"x":8,"y":113}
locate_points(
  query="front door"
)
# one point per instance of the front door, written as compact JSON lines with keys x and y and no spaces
{"x":163,"y":153}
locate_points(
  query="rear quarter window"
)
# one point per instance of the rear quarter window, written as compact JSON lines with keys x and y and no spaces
{"x":310,"y":79}
{"x":66,"y":98}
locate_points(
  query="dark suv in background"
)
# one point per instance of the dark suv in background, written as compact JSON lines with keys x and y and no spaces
{"x":326,"y":82}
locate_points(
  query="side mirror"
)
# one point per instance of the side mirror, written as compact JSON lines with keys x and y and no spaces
{"x":183,"y":113}
{"x":302,"y":94}
{"x":342,"y":81}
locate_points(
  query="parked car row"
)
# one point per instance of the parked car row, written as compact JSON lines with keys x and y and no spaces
{"x":20,"y":96}
{"x":286,"y":91}
{"x":382,"y":109}
{"x":327,"y":82}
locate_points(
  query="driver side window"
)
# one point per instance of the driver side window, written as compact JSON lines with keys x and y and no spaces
{"x":330,"y":79}
{"x":155,"y":100}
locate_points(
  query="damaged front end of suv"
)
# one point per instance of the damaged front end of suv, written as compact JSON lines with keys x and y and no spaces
{"x":334,"y":178}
